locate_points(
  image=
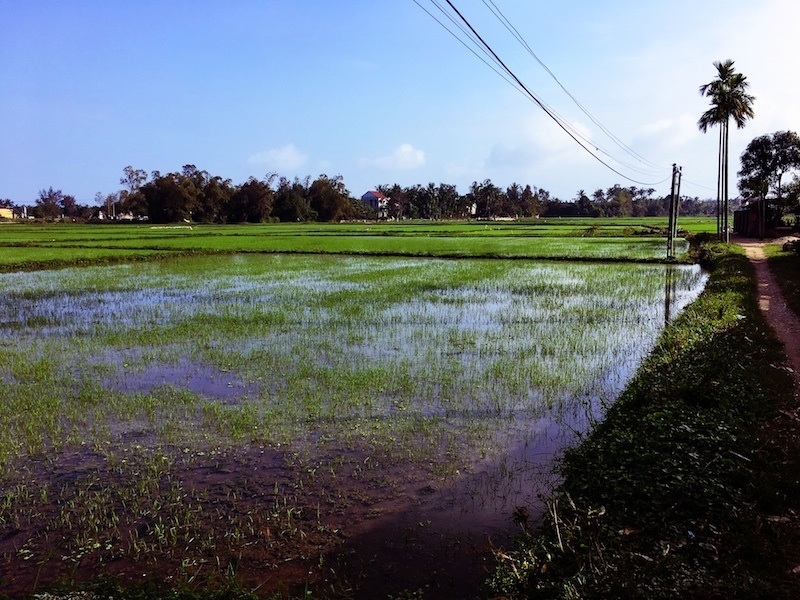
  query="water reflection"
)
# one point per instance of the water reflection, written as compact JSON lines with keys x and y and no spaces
{"x":670,"y":289}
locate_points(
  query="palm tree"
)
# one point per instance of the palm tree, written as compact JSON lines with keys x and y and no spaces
{"x":729,"y":100}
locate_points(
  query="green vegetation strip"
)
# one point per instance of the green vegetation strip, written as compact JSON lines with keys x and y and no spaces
{"x":47,"y":246}
{"x":24,"y":259}
{"x":689,"y":487}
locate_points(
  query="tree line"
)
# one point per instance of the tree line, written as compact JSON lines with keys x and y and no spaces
{"x":196,"y":195}
{"x":486,"y":200}
{"x":192,"y":194}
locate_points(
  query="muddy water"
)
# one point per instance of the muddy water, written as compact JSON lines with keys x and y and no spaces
{"x":439,"y":537}
{"x":201,"y":380}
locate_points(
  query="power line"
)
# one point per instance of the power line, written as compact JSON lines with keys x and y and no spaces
{"x":472,"y":38}
{"x":519,"y":88}
{"x":486,"y":48}
{"x":698,"y":185}
{"x":495,"y":10}
{"x":462,"y":42}
{"x":475,"y":41}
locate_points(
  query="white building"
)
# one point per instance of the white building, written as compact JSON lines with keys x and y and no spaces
{"x":377,"y":202}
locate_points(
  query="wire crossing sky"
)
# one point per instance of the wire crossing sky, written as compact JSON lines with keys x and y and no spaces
{"x":475,"y":38}
{"x":377,"y":92}
{"x":499,"y":14}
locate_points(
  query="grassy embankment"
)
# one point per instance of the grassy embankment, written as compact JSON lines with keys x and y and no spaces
{"x":689,"y":488}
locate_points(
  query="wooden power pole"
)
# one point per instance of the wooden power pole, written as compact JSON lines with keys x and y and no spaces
{"x":674,"y":203}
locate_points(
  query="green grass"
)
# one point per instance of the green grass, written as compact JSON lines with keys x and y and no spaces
{"x":37,"y":246}
{"x":576,"y":227}
{"x":16,"y":258}
{"x":684,"y":488}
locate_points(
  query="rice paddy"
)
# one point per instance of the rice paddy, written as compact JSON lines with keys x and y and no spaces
{"x":57,"y":245}
{"x":248,"y":415}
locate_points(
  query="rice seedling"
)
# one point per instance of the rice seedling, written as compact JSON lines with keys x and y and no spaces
{"x":31,"y":246}
{"x":313,"y":371}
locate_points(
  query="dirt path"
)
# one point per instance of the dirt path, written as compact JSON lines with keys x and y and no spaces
{"x":780,"y":317}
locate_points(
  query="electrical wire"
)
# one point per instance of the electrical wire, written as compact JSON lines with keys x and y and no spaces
{"x":472,"y":38}
{"x":495,"y":10}
{"x":478,"y":40}
{"x":698,"y":185}
{"x":463,"y":43}
{"x":469,"y":35}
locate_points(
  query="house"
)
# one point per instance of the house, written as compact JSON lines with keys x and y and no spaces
{"x":6,"y":213}
{"x":377,"y":202}
{"x":756,"y":219}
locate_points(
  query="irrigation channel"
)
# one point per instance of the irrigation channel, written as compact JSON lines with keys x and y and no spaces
{"x":363,"y":425}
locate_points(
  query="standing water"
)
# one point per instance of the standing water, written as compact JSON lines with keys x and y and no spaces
{"x":368,"y":425}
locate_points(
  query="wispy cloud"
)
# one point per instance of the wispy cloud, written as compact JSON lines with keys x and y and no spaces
{"x":673,"y":131}
{"x":286,"y":158}
{"x":404,"y":157}
{"x":536,"y":141}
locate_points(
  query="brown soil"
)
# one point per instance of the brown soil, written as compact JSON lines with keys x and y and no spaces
{"x":783,"y":320}
{"x":382,"y":530}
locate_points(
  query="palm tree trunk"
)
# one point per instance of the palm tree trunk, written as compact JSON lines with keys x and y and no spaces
{"x":719,"y":185}
{"x":725,"y":187}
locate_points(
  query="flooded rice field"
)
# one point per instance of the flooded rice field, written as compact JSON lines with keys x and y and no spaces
{"x":361,"y":425}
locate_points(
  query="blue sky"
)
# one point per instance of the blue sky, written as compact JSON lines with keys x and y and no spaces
{"x":376,"y":91}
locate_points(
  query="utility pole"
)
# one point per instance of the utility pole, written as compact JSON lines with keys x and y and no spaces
{"x":674,"y":202}
{"x":677,"y":208}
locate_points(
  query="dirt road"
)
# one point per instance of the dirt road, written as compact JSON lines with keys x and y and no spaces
{"x":780,"y":317}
